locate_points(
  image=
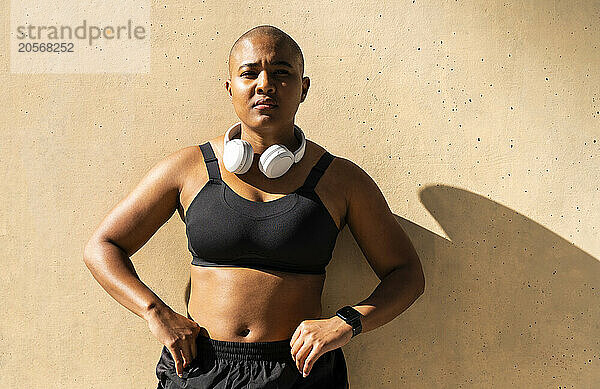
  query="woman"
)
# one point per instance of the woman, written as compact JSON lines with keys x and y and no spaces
{"x":263,"y":207}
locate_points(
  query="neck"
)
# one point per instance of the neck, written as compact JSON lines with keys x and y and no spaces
{"x":262,"y":138}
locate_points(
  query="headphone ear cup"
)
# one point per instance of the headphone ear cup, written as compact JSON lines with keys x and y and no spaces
{"x":248,"y":157}
{"x":237,"y":156}
{"x":275,"y":161}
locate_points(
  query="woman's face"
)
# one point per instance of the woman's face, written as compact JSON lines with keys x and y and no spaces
{"x":262,"y":68}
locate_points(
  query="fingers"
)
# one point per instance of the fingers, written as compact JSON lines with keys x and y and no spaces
{"x":176,"y":354}
{"x":315,"y":353}
{"x":301,"y":355}
{"x":183,"y":353}
{"x":186,"y":352}
{"x":305,"y":351}
{"x":295,"y":347}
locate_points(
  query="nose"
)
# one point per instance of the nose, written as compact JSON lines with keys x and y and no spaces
{"x":263,"y":84}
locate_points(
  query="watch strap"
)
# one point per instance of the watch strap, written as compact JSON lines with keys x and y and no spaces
{"x":352,"y":317}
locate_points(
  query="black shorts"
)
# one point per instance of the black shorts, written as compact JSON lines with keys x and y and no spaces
{"x":230,"y":365}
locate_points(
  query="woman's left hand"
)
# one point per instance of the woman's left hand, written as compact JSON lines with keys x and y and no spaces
{"x":314,"y":338}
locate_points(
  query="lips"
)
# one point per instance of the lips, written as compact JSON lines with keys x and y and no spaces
{"x":262,"y":107}
{"x":265,"y":103}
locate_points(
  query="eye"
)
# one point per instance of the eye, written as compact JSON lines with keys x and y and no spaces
{"x":253,"y":73}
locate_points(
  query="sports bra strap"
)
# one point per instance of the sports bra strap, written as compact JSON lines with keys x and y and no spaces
{"x":212,"y":164}
{"x":317,"y":171}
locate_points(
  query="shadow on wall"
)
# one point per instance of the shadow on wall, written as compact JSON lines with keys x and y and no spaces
{"x":506,"y":301}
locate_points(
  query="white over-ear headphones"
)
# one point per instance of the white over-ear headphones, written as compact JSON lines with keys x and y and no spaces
{"x":274,"y":162}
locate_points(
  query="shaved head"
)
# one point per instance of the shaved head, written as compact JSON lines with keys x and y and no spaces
{"x":279,"y":37}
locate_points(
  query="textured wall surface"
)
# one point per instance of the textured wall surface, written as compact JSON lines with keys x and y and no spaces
{"x":479,"y":120}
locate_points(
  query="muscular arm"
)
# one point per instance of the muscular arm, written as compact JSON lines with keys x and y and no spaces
{"x":390,"y":254}
{"x":386,"y":247}
{"x":127,"y":227}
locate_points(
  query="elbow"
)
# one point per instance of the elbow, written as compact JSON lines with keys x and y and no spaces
{"x":90,"y":251}
{"x":417,"y":276}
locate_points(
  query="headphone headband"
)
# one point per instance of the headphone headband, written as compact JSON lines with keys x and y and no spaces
{"x":298,"y":154}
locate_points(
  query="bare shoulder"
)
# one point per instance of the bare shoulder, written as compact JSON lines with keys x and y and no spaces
{"x":351,"y":175}
{"x":184,"y":163}
{"x":335,"y":186}
{"x":183,"y":157}
{"x":359,"y":189}
{"x":347,"y":177}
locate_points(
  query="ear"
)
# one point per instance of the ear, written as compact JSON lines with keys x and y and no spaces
{"x":228,"y":87}
{"x":305,"y":86}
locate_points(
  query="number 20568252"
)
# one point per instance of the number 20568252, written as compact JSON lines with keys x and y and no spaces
{"x":49,"y":47}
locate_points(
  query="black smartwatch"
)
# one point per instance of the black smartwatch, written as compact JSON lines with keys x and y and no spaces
{"x":352,"y":317}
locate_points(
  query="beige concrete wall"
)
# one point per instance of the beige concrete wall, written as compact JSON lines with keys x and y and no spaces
{"x":479,"y":120}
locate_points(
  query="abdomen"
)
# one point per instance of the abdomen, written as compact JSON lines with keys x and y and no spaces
{"x":247,"y":305}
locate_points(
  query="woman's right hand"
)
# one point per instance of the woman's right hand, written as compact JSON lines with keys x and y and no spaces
{"x":177,"y":333}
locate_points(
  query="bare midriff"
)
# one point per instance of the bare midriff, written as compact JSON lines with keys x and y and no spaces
{"x":248,"y":305}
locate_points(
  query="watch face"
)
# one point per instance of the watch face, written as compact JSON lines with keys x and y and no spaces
{"x":349,"y":313}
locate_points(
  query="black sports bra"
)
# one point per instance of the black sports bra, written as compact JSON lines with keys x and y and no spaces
{"x":294,"y":233}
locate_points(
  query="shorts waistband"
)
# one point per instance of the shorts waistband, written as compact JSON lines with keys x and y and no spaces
{"x":279,"y":350}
